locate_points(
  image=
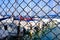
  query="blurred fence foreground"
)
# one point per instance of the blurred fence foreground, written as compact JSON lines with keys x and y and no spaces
{"x":29,"y":19}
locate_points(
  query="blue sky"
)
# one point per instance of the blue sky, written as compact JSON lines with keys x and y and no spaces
{"x":37,"y":10}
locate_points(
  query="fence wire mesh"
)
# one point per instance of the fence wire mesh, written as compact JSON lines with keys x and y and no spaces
{"x":29,"y":19}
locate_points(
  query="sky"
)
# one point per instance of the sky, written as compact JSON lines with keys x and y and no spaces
{"x":20,"y":7}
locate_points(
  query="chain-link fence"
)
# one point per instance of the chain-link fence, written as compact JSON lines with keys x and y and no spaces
{"x":29,"y":19}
